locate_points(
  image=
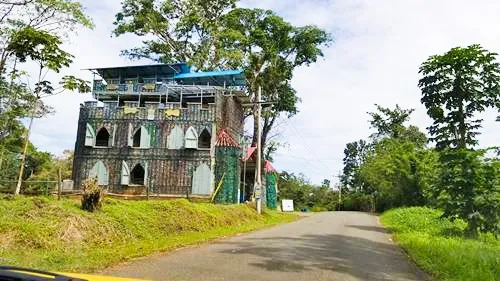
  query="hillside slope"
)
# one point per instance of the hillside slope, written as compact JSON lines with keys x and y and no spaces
{"x":44,"y":233}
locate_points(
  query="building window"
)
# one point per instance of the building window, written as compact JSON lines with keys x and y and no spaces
{"x":102,"y":138}
{"x":125,"y":179}
{"x":175,"y":139}
{"x":191,"y":138}
{"x":137,"y":175}
{"x":204,"y":140}
{"x":140,"y":138}
{"x":137,"y":138}
{"x":99,"y":172}
{"x":89,"y":135}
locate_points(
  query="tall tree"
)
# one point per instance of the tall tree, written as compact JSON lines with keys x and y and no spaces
{"x":216,"y":35}
{"x":268,"y":48}
{"x":455,"y":87}
{"x":354,"y":155}
{"x":56,"y":17}
{"x":32,"y":31}
{"x":183,"y":30}
{"x":390,"y":123}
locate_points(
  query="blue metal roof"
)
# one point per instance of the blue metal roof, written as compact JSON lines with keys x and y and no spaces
{"x":179,"y":71}
{"x":219,"y":78}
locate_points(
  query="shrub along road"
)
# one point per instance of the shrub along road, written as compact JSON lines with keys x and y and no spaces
{"x":327,"y":246}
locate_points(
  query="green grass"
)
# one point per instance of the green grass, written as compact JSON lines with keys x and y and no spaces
{"x":439,"y":246}
{"x":40,"y":232}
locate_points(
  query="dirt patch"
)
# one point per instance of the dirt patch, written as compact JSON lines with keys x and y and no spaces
{"x":7,"y":239}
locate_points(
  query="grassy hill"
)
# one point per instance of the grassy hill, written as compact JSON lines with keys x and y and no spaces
{"x":440,"y":247}
{"x":41,"y":232}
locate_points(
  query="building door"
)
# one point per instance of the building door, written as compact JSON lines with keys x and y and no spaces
{"x":201,"y":180}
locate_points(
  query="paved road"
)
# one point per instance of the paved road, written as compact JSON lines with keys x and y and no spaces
{"x":327,"y":246}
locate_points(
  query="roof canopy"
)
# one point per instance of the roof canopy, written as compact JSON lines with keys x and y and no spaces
{"x":179,"y":71}
{"x":219,"y":78}
{"x":151,"y":70}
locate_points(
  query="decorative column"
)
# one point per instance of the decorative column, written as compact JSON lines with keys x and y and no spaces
{"x":227,"y":167}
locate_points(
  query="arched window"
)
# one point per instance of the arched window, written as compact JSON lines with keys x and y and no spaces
{"x":176,"y":138}
{"x":125,"y":178}
{"x":89,"y":135}
{"x":100,"y":172}
{"x":205,"y":139}
{"x":191,"y":138}
{"x":137,"y":175}
{"x":137,"y":138}
{"x":102,"y":138}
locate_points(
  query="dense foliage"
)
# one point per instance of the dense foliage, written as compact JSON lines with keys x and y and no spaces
{"x":395,"y":167}
{"x":32,"y":34}
{"x":455,"y":87}
{"x":306,"y":195}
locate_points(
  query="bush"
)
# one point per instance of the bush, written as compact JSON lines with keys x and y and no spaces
{"x":319,"y":209}
{"x":92,"y":195}
{"x":357,"y":201}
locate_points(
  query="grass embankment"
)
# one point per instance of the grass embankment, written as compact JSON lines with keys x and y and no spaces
{"x":48,"y":234}
{"x":440,"y":247}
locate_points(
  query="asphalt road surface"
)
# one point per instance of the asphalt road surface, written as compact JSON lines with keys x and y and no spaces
{"x":326,"y":246}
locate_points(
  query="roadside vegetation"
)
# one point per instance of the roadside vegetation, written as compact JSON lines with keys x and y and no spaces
{"x":41,"y":232}
{"x":441,"y":246}
{"x":456,"y":182}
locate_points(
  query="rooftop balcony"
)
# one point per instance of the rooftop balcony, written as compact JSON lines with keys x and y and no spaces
{"x":163,"y":88}
{"x":152,"y":111}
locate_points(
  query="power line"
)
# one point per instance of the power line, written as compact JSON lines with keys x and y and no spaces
{"x":307,"y":147}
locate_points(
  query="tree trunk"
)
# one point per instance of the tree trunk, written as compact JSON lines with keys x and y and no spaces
{"x":23,"y":157}
{"x":462,"y":129}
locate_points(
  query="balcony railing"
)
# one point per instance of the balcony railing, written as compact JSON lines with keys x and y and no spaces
{"x":193,"y":112}
{"x":160,"y":88}
{"x":131,"y":88}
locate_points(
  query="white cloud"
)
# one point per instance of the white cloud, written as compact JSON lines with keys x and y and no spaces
{"x":378,"y":48}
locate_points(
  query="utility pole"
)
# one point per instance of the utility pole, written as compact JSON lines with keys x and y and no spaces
{"x":258,"y":181}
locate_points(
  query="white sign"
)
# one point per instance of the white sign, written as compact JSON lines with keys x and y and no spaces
{"x":258,"y":192}
{"x":287,"y":205}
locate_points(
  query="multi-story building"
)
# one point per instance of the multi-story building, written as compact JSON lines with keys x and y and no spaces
{"x":162,"y":130}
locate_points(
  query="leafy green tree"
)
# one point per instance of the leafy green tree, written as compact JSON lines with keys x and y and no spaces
{"x":469,"y":189}
{"x":400,"y":172}
{"x":306,"y":195}
{"x":182,"y":30}
{"x":354,"y":155}
{"x":325,"y":183}
{"x":455,"y":87}
{"x":216,"y":35}
{"x":32,"y":32}
{"x":389,"y":123}
{"x":27,"y":17}
{"x":268,"y":49}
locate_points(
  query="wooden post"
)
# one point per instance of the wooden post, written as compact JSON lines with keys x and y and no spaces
{"x":59,"y":183}
{"x":147,"y":188}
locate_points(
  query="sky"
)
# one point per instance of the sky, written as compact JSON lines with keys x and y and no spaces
{"x":377,"y":50}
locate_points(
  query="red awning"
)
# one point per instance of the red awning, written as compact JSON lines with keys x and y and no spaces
{"x":225,"y":140}
{"x":268,"y":168}
{"x":250,"y":151}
